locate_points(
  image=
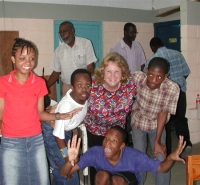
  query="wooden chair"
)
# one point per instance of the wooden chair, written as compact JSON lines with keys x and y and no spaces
{"x":192,"y":168}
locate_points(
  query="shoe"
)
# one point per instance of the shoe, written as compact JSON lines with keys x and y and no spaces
{"x":186,"y":151}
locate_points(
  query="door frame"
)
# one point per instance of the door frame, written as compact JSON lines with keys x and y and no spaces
{"x":165,"y":24}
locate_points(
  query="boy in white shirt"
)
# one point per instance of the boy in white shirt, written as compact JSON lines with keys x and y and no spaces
{"x":56,"y":140}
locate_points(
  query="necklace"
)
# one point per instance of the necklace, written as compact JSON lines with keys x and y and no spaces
{"x":112,"y":90}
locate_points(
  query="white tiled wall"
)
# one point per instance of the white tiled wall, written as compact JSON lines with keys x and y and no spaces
{"x":113,"y":32}
{"x":190,"y":45}
{"x":40,"y":32}
{"x":194,"y":125}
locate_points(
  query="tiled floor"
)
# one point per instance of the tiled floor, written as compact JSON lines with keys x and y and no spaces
{"x":178,"y":175}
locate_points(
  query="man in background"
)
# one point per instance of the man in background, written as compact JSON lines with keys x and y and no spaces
{"x":129,"y":49}
{"x":75,"y":52}
{"x":178,"y":73}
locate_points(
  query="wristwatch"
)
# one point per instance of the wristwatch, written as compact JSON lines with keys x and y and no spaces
{"x":56,"y":116}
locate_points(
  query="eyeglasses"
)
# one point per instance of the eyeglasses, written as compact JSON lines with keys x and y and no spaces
{"x":63,"y":31}
{"x":133,"y":32}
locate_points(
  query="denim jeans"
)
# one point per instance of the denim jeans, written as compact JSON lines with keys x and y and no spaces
{"x":23,"y":161}
{"x":55,"y":158}
{"x":139,"y":138}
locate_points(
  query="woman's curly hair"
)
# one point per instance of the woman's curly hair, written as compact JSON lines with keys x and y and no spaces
{"x":119,"y":61}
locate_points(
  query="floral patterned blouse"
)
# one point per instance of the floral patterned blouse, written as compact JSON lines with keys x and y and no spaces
{"x":107,"y":109}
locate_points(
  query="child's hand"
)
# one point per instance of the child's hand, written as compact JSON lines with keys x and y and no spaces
{"x":69,"y":176}
{"x":73,"y":149}
{"x":175,"y":154}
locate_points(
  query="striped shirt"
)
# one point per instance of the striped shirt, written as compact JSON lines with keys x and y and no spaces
{"x":134,"y":56}
{"x":149,"y":103}
{"x":178,"y":66}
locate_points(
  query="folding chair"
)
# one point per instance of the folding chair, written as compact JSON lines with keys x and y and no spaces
{"x":84,"y":149}
{"x":192,"y":169}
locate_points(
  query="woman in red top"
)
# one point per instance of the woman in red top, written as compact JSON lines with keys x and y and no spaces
{"x":22,"y":152}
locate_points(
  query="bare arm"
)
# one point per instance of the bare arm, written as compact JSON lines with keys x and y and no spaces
{"x":174,"y":156}
{"x":46,"y":116}
{"x":73,"y":151}
{"x":53,"y":77}
{"x":60,"y":142}
{"x":90,"y":67}
{"x":1,"y":107}
{"x":158,"y":146}
{"x":67,"y":169}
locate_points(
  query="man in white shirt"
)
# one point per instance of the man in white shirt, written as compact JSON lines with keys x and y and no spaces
{"x":73,"y":53}
{"x":130,"y":50}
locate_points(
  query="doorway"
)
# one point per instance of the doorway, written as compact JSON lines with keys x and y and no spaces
{"x":169,"y":33}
